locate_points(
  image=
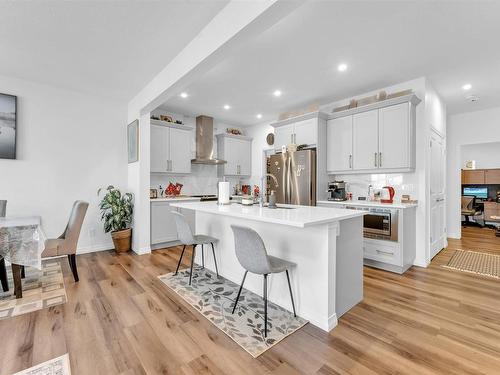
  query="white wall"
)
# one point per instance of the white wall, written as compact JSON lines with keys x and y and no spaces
{"x":486,"y":155}
{"x":68,"y":145}
{"x":469,"y":128}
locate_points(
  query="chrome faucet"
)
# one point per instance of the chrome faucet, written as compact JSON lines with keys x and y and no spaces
{"x":262,"y":194}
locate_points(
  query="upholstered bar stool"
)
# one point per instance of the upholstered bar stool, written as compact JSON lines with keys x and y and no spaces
{"x":252,"y":255}
{"x":188,"y":239}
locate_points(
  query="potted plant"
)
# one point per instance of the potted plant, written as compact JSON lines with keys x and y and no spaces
{"x":116,"y":213}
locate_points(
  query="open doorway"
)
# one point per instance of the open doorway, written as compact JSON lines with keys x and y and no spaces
{"x":480,"y":191}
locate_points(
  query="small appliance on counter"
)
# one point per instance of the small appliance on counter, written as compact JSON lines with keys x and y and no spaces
{"x":498,"y":196}
{"x":224,"y":195}
{"x":337,"y":191}
{"x":387,"y":194}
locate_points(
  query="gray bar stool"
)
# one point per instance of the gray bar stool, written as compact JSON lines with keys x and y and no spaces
{"x":252,"y":255}
{"x":188,"y":239}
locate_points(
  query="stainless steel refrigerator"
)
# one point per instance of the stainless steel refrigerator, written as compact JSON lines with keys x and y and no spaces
{"x":296,"y":175}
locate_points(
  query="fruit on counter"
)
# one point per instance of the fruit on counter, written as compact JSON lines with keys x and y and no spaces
{"x":173,"y":189}
{"x":256,"y":190}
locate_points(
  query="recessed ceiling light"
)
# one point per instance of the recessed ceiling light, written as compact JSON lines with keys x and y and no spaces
{"x":184,"y":95}
{"x":466,"y":87}
{"x":259,"y":116}
{"x":342,"y":67}
{"x":227,"y":106}
{"x":277,"y":93}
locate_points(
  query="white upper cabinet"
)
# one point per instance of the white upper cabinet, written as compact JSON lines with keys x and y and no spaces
{"x":365,"y":140}
{"x":170,"y":149}
{"x":306,"y":132}
{"x":283,"y":135}
{"x":394,"y":137}
{"x":159,"y":148}
{"x":301,"y":130}
{"x":380,"y":137}
{"x":339,"y":144}
{"x":237,"y":152}
{"x":180,"y":151}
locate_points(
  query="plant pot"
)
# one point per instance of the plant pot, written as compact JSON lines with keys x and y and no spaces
{"x":122,"y":239}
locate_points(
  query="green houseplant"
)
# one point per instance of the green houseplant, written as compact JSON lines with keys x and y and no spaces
{"x":116,"y":214}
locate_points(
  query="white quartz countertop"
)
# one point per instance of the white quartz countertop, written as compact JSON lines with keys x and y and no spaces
{"x":175,"y":199}
{"x":296,"y":216}
{"x":369,"y":204}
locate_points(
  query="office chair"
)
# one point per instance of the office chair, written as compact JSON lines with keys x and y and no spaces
{"x":469,"y":209}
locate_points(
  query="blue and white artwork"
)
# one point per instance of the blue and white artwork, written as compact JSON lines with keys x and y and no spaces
{"x":8,"y":113}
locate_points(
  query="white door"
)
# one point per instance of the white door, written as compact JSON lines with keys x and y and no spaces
{"x":394,"y":137}
{"x":365,"y":140}
{"x":180,"y":151}
{"x":339,"y":144}
{"x":159,"y":148}
{"x":244,"y":157}
{"x":306,"y":132}
{"x":163,"y":227}
{"x":231,"y":156}
{"x":437,"y":194}
{"x":283,"y":135}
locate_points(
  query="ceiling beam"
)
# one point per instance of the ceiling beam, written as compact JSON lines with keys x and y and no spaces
{"x":232,"y":27}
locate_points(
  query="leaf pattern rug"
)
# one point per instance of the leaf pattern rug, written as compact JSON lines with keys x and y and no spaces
{"x":214,"y":297}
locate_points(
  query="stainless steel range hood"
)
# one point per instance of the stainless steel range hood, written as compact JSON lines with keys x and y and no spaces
{"x":205,"y":142}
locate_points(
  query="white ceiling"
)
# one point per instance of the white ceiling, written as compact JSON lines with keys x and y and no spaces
{"x":110,"y":48}
{"x":383,"y":43}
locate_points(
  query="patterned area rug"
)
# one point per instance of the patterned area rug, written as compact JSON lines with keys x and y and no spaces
{"x":41,"y":289}
{"x":473,"y":262}
{"x":56,"y":366}
{"x":213,"y":298}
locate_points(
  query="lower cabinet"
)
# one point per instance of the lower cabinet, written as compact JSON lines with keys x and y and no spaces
{"x":163,"y":228}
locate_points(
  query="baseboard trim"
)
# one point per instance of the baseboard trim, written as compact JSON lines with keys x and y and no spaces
{"x":95,"y":248}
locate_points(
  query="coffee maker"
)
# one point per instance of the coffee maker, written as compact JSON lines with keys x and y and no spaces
{"x":337,"y":191}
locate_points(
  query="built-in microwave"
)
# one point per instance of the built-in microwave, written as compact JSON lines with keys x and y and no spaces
{"x":379,"y":223}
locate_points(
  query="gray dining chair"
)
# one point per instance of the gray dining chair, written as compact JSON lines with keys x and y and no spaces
{"x":67,"y":242}
{"x":187,"y":238}
{"x":3,"y":270}
{"x":252,"y":255}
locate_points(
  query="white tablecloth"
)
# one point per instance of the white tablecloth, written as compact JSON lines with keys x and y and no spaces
{"x":22,"y":240}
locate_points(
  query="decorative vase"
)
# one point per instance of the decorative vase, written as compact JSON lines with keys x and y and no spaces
{"x":122,"y":239}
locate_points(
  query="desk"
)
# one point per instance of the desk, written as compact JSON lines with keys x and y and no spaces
{"x":21,"y":243}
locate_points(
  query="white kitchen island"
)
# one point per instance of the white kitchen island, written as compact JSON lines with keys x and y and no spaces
{"x":326,"y":244}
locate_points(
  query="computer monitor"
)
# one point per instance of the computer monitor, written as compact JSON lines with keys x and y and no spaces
{"x":478,"y":192}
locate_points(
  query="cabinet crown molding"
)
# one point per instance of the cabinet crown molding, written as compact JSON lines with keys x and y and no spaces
{"x":171,"y":125}
{"x":410,"y":98}
{"x":227,"y":135}
{"x":306,"y":116}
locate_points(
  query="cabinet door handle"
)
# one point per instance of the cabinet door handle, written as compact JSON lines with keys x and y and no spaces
{"x":385,"y":252}
{"x":294,"y":138}
{"x":375,"y":161}
{"x":350,"y":161}
{"x":379,"y":159}
{"x":170,"y":165}
{"x":291,"y":138}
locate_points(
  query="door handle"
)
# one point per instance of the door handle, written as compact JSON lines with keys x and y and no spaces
{"x":350,"y":161}
{"x":379,"y":159}
{"x":375,"y":161}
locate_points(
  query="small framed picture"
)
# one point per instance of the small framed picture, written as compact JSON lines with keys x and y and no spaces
{"x":133,"y":141}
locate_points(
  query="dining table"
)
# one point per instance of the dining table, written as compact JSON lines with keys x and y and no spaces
{"x":22,"y":242}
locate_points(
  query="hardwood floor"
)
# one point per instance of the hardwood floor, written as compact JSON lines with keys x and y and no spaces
{"x":120,"y":319}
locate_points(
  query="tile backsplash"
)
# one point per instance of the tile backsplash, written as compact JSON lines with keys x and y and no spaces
{"x":358,"y":184}
{"x":202,"y":180}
